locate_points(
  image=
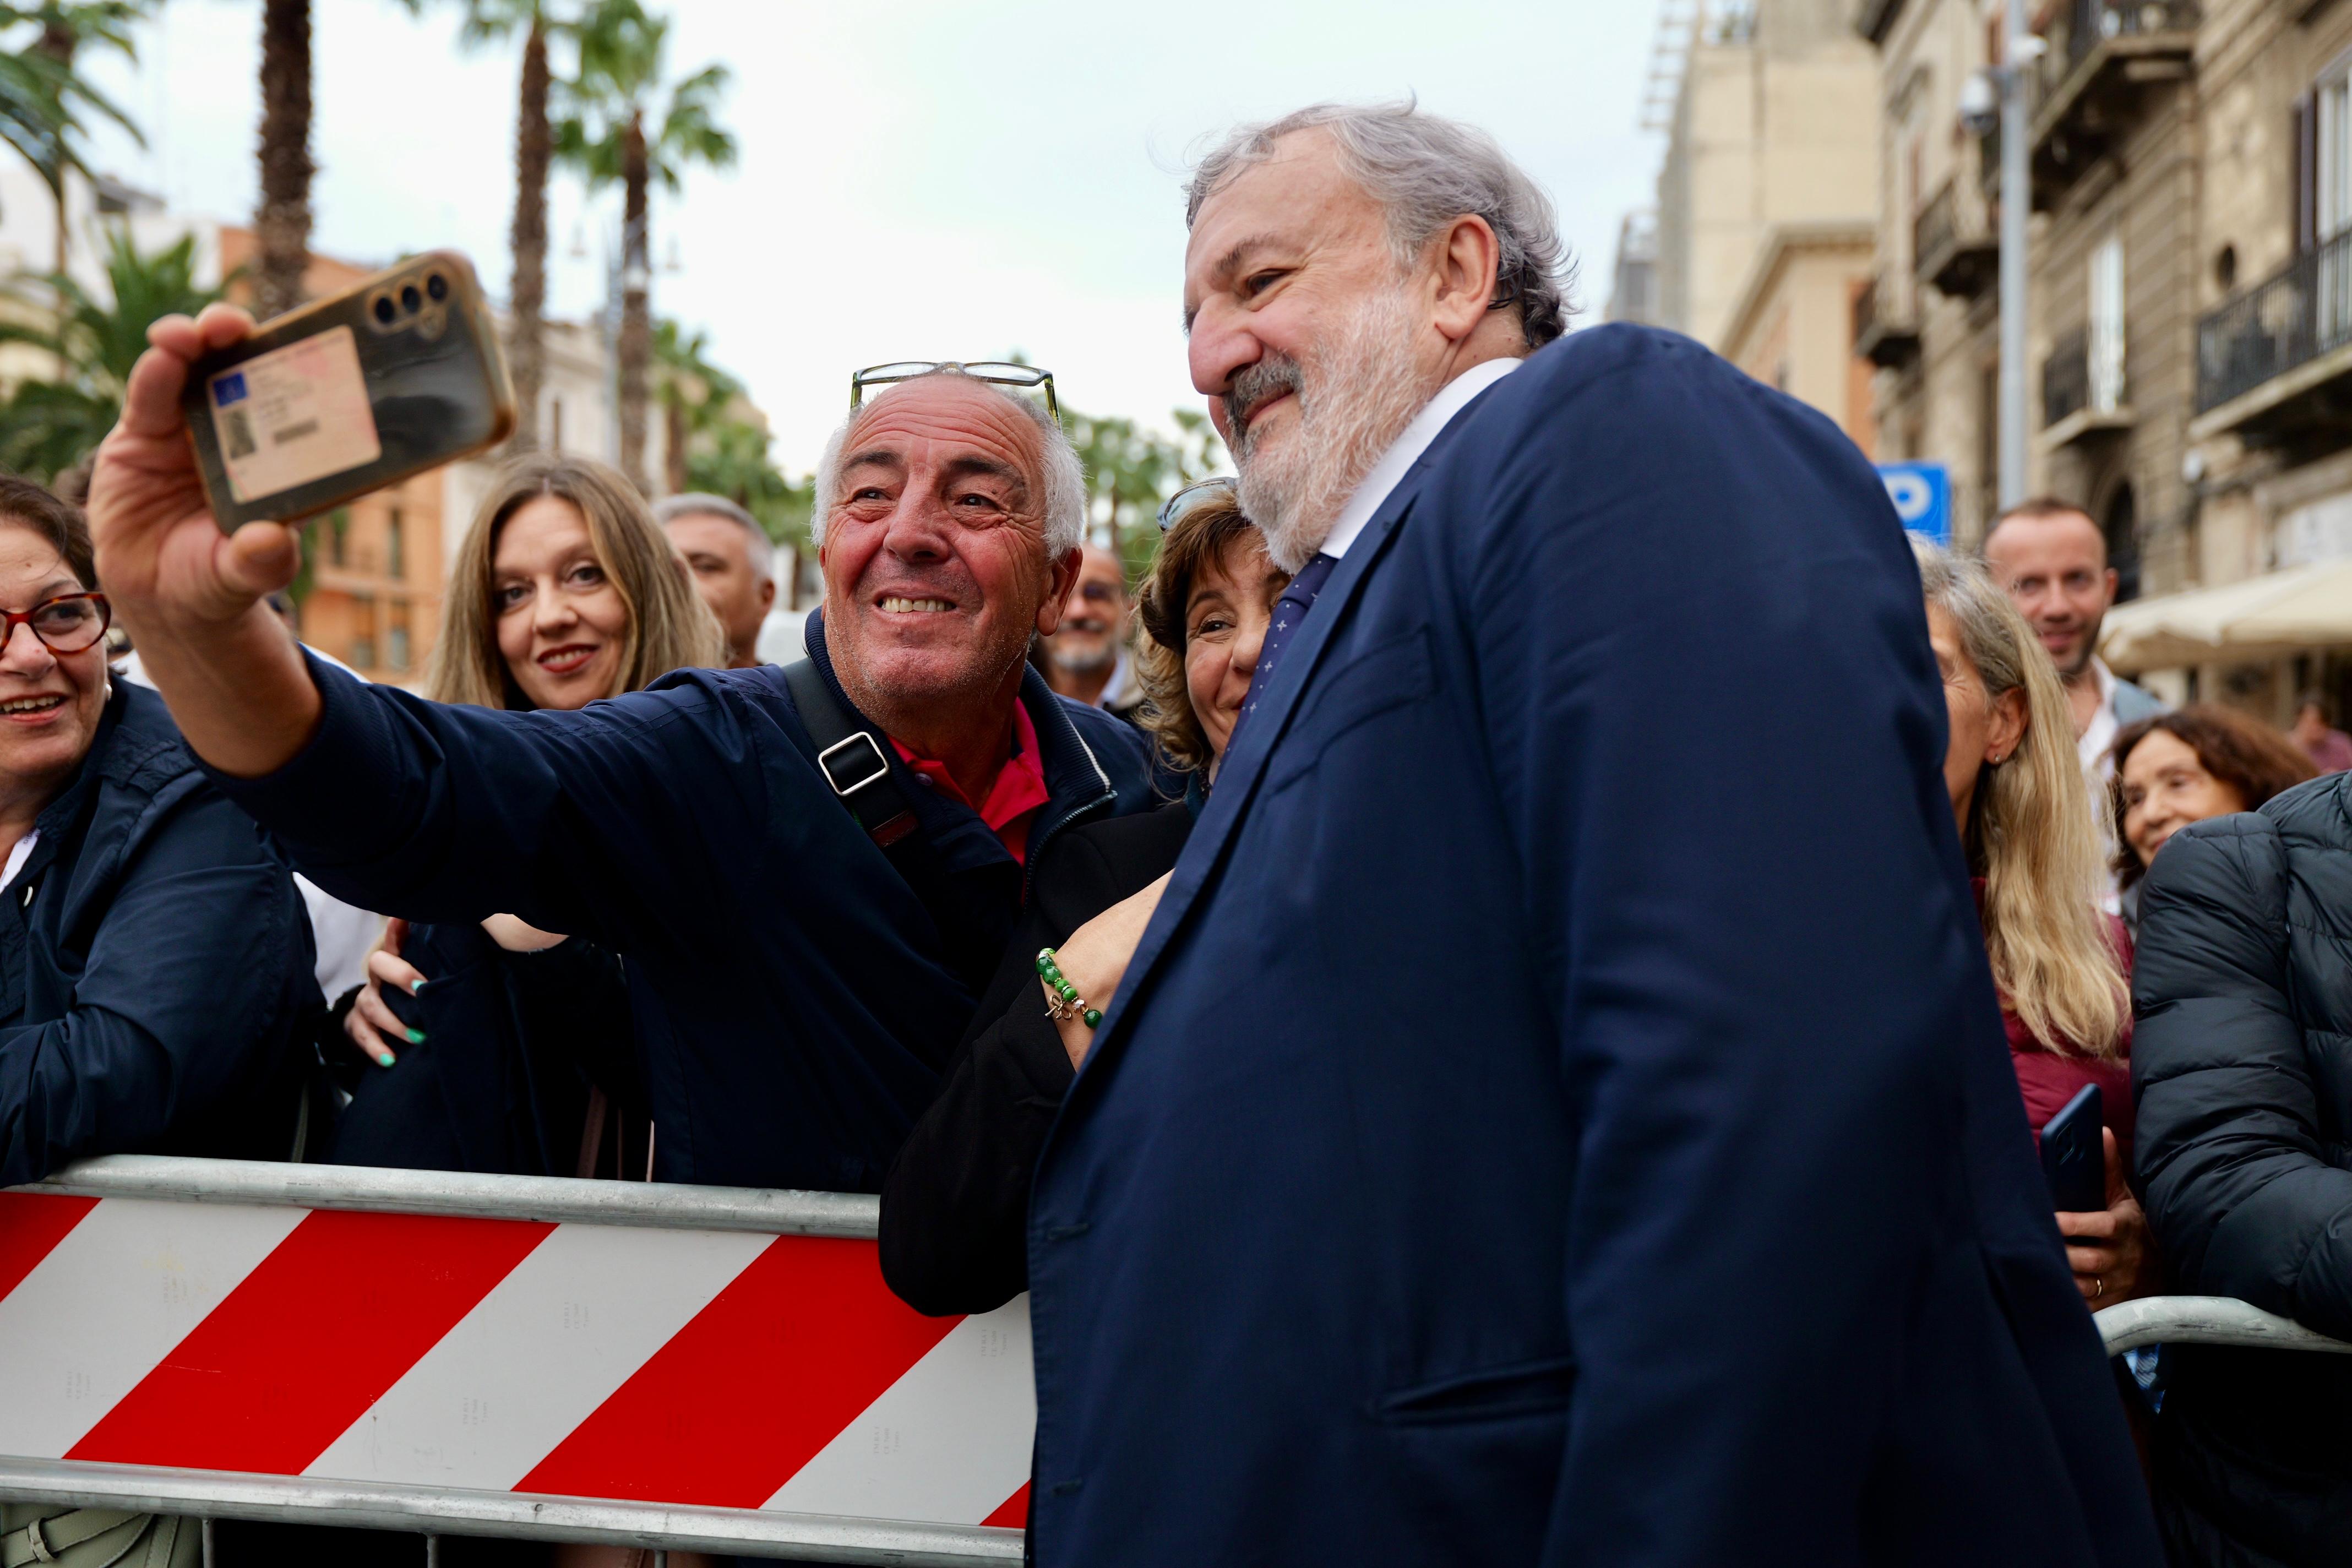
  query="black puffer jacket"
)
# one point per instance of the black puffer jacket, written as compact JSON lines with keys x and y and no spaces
{"x":2243,"y":1068}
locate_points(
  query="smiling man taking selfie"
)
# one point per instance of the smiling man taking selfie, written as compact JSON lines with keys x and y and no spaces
{"x":811,"y":872}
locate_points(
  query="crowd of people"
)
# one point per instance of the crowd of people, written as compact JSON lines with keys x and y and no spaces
{"x":1444,"y":1108}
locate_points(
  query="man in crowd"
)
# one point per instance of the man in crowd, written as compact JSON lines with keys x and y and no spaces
{"x":805,"y":938}
{"x":733,"y":563}
{"x":1531,"y":1129}
{"x":2053,"y":560}
{"x":1087,"y":660}
{"x":2329,"y":748}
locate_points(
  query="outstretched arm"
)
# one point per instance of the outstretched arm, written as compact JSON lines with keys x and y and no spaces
{"x":192,"y":596}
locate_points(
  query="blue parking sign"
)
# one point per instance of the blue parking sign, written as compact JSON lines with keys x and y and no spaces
{"x":1922,"y":494}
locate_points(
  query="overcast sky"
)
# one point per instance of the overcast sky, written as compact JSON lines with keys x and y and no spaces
{"x":919,"y":179}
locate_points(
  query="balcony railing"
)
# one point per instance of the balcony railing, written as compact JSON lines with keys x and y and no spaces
{"x":1885,"y":332}
{"x":1952,"y":242}
{"x":2281,"y":324}
{"x":1933,"y":231}
{"x":2094,"y":22}
{"x":2104,"y":56}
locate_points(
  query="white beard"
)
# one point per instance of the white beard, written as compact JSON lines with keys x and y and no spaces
{"x":1359,"y":395}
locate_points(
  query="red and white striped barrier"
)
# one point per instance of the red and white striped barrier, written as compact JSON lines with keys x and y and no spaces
{"x":426,"y":1336}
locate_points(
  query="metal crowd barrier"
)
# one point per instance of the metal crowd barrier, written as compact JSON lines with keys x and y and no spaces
{"x":2206,"y":1320}
{"x":648,"y":1365}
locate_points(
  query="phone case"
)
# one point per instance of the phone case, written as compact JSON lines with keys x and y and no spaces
{"x":399,"y":373}
{"x":2073,"y":1158}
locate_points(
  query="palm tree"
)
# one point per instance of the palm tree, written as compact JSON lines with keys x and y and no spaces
{"x":604,"y":133}
{"x":42,"y":95}
{"x":281,"y":225}
{"x":67,"y":28}
{"x":695,"y":395}
{"x":49,"y":427}
{"x":489,"y":22}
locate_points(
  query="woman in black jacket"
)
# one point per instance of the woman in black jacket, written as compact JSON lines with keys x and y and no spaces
{"x":494,"y":1044}
{"x":956,"y":1202}
{"x":155,"y":985}
{"x":156,"y":992}
{"x":2243,"y":1066}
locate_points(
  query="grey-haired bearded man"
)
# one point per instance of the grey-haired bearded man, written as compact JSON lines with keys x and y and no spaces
{"x":1535,"y":1129}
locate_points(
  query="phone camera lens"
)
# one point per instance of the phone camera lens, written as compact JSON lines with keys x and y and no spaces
{"x":438,"y":286}
{"x":384,"y":309}
{"x":408,"y":297}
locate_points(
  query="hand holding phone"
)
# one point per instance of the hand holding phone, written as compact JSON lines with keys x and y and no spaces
{"x":398,"y":373}
{"x":2073,"y":1160}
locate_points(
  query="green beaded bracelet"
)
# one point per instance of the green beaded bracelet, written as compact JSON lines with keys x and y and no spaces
{"x":1064,"y":1000}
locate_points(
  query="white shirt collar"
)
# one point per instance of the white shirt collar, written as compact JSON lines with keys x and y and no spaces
{"x":2091,"y":746}
{"x":1398,"y":460}
{"x":1116,"y":690}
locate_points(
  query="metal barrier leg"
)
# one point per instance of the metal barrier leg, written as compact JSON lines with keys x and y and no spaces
{"x":432,"y":1551}
{"x":205,"y":1528}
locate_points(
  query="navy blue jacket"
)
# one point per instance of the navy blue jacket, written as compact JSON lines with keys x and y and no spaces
{"x":793,"y":992}
{"x":500,"y":1084}
{"x":1559,"y":1112}
{"x":156,"y":985}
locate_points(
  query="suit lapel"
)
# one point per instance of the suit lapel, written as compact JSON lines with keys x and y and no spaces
{"x":1238,"y":780}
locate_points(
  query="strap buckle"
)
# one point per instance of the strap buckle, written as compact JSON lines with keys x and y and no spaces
{"x":880,"y":770}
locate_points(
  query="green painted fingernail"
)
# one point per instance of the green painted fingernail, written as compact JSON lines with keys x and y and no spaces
{"x":415,"y":987}
{"x":415,"y":1036}
{"x":384,"y":1059}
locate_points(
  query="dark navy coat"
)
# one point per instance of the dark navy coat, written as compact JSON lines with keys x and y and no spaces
{"x":156,"y":985}
{"x":1558,"y":1113}
{"x":794,"y":994}
{"x":500,"y":1084}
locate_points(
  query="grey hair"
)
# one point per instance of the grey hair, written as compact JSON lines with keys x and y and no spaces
{"x":1065,"y":477}
{"x":699,"y":503}
{"x":1427,"y":171}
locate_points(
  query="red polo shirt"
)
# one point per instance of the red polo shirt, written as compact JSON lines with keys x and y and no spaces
{"x":1013,"y":800}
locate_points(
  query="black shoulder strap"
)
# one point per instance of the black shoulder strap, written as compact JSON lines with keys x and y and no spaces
{"x":851,"y":757}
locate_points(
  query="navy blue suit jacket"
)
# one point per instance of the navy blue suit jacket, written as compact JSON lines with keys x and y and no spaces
{"x":1559,"y":1112}
{"x":793,"y":993}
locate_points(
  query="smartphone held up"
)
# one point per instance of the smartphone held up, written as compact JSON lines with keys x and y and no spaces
{"x":396,"y":374}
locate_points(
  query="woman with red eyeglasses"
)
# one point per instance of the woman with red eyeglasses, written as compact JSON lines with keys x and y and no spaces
{"x":155,"y":962}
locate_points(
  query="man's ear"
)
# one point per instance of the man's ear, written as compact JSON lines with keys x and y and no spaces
{"x":767,"y":595}
{"x":1467,"y":258}
{"x":1063,"y":577}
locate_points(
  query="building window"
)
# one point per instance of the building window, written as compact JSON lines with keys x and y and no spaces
{"x":2106,"y":334}
{"x":396,"y":552}
{"x":2331,"y":209}
{"x":555,"y":426}
{"x":395,"y":637}
{"x":339,"y":528}
{"x":362,"y":654}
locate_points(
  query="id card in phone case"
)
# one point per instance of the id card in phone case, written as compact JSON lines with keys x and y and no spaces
{"x":293,"y":416}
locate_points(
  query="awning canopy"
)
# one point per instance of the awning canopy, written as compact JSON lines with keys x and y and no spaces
{"x":2270,"y":617}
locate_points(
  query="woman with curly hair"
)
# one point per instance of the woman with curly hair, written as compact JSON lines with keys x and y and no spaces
{"x":2182,"y":767}
{"x":956,"y":1202}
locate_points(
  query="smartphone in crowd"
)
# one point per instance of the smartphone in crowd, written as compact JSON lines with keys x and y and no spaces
{"x":2073,"y":1157}
{"x":396,"y":374}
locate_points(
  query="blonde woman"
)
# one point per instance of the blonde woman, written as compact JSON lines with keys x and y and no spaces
{"x":2058,"y":960}
{"x":484,"y":1039}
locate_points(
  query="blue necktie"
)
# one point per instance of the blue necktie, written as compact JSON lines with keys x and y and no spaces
{"x":1288,"y":612}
